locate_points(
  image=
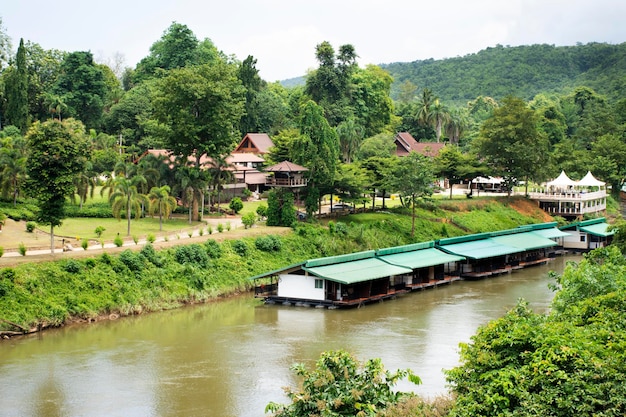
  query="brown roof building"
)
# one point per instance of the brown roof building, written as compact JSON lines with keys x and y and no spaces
{"x":406,"y":143}
{"x":258,"y":143}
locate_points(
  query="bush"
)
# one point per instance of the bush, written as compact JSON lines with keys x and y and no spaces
{"x":193,"y":254}
{"x":151,"y":238}
{"x":151,"y":255}
{"x":22,"y":249}
{"x":1,"y":251}
{"x":220,"y":227}
{"x":136,"y":239}
{"x":84,"y":244}
{"x":209,"y":230}
{"x":248,"y":220}
{"x":30,"y":227}
{"x":99,"y":230}
{"x":134,"y":261}
{"x":341,"y":229}
{"x":72,"y":266}
{"x":236,"y":205}
{"x":213,"y":249}
{"x":228,"y":226}
{"x":268,"y":243}
{"x":240,"y":247}
{"x":261,"y":210}
{"x":246,"y":193}
{"x":118,"y":241}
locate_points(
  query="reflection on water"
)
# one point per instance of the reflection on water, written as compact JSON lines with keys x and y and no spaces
{"x":231,"y":358}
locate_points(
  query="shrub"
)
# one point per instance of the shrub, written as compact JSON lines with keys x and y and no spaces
{"x":236,"y":205}
{"x":341,"y":229}
{"x":193,"y":254}
{"x":151,"y":255}
{"x":1,"y":251}
{"x":22,"y":249}
{"x":190,"y":233}
{"x":151,"y":238}
{"x":261,"y":210}
{"x":135,"y":239}
{"x":99,"y":230}
{"x":248,"y":220}
{"x":118,"y":241}
{"x":213,"y":248}
{"x":246,"y":193}
{"x":72,"y":266}
{"x":268,"y":243}
{"x":210,"y":230}
{"x":30,"y":227}
{"x":228,"y":226}
{"x":90,"y":262}
{"x":84,"y":244}
{"x":201,"y":231}
{"x":220,"y":227}
{"x":240,"y":247}
{"x":134,"y":261}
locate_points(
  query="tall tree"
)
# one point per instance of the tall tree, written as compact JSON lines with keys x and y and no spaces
{"x":125,"y":198}
{"x":412,"y":176}
{"x":249,"y":76}
{"x":438,"y":116}
{"x":317,"y":149}
{"x":58,"y":153}
{"x":13,"y":157}
{"x":161,"y":202}
{"x":512,"y":143}
{"x":82,"y":85}
{"x":5,"y":46}
{"x":455,"y":166}
{"x":201,"y":107}
{"x":16,"y":86}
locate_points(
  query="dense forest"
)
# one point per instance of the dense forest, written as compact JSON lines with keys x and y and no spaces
{"x":523,"y":71}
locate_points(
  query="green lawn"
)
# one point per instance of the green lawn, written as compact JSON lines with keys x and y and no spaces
{"x":84,"y":228}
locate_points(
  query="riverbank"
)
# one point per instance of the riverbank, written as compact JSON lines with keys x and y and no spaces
{"x":46,"y":291}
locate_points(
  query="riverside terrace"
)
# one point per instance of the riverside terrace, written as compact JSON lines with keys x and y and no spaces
{"x":359,"y":278}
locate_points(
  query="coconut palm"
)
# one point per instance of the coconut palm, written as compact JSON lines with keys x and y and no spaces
{"x":220,"y":172}
{"x":162,"y":202}
{"x":438,"y":116}
{"x":13,"y":171}
{"x":125,"y":197}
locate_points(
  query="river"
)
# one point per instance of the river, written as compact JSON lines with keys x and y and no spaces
{"x":230,"y":358}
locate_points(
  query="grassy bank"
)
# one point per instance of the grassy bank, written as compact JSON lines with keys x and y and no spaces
{"x":144,"y":279}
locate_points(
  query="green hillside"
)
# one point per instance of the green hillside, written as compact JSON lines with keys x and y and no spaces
{"x":523,"y":71}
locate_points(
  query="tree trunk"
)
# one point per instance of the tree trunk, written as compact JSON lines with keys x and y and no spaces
{"x":52,"y":239}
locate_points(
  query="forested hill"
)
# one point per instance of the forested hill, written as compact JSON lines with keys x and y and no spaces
{"x":523,"y":71}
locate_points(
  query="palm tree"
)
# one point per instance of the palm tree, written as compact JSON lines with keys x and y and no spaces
{"x":424,"y":106}
{"x":161,"y":201}
{"x":56,"y":104}
{"x":125,"y":197}
{"x":438,"y":116}
{"x":219,"y":174}
{"x":456,"y":125}
{"x":192,"y":183}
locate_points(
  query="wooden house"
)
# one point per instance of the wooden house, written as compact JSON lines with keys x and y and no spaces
{"x":256,"y":143}
{"x":286,"y":174}
{"x":406,"y":143}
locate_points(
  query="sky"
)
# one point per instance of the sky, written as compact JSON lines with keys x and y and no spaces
{"x":282,"y":34}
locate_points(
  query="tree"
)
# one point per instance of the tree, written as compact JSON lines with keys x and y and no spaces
{"x":186,"y":99}
{"x":280,"y":208}
{"x":413,"y":178}
{"x":252,"y":82}
{"x":317,"y":149}
{"x":568,"y":362}
{"x":5,"y":46}
{"x":16,"y":86}
{"x":13,"y":158}
{"x":58,"y":153}
{"x":219,"y":172}
{"x":83,"y":87}
{"x":44,"y":68}
{"x":512,"y":144}
{"x":439,"y":116}
{"x":455,"y":166}
{"x":162,"y":202}
{"x":125,"y":198}
{"x":350,"y":137}
{"x":342,"y":386}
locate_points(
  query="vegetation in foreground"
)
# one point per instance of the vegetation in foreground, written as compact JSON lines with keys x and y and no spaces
{"x":568,"y":362}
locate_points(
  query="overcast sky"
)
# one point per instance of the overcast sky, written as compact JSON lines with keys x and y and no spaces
{"x":282,"y":34}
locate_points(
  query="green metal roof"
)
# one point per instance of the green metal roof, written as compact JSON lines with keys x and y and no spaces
{"x":598,"y":229}
{"x":406,"y":248}
{"x":550,"y":233}
{"x":340,"y":258}
{"x":420,"y":258}
{"x":524,"y":241}
{"x":356,"y":271}
{"x":283,"y":270}
{"x":480,"y":249}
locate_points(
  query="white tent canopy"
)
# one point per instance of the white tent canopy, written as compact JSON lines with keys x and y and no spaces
{"x":590,"y":181}
{"x":562,"y":181}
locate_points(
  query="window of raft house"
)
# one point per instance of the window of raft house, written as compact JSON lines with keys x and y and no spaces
{"x":319,"y":283}
{"x":582,"y":238}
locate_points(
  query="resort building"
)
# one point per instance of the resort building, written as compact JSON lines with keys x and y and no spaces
{"x":363,"y":277}
{"x":571,"y":199}
{"x":587,"y":235}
